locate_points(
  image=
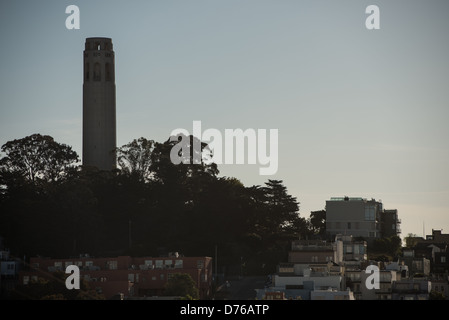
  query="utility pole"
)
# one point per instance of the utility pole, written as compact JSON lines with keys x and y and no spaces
{"x":423,"y":231}
{"x":129,"y":232}
{"x":216,"y":259}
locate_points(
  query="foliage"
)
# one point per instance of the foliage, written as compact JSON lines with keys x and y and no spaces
{"x":318,"y":222}
{"x":182,"y":285}
{"x":390,"y":246}
{"x":410,"y":240}
{"x":436,"y":295}
{"x":134,"y":158}
{"x":36,"y":158}
{"x":54,"y":289}
{"x":146,"y":206}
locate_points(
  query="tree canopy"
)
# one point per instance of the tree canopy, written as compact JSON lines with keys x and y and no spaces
{"x":35,"y":158}
{"x":51,"y":207}
{"x":182,"y":285}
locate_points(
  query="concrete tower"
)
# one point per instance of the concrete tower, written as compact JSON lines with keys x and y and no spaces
{"x":99,"y":123}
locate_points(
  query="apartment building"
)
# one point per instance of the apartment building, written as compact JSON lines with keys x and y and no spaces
{"x":360,"y":217}
{"x":127,"y":276}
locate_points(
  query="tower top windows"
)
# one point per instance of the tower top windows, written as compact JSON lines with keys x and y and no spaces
{"x":97,"y":44}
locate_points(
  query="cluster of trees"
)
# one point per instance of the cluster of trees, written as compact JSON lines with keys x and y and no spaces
{"x":52,"y":206}
{"x":53,"y":289}
{"x":179,"y":284}
{"x":385,"y":249}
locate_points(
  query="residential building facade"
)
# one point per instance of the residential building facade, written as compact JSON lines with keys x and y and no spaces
{"x":125,"y":275}
{"x":360,"y":217}
{"x":411,"y":289}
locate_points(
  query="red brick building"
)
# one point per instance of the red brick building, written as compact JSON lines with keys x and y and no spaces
{"x":130,"y":276}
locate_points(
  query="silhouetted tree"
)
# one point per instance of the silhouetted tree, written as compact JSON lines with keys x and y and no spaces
{"x":167,"y":172}
{"x":36,"y":157}
{"x":134,"y":158}
{"x":54,"y":289}
{"x":410,"y":240}
{"x":182,"y":285}
{"x":282,"y":209}
{"x":391,"y":246}
{"x":318,"y":222}
{"x":148,"y":203}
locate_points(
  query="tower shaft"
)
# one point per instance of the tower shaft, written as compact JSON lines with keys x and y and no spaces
{"x":99,"y":120}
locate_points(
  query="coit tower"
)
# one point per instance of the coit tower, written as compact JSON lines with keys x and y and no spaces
{"x":99,"y":123}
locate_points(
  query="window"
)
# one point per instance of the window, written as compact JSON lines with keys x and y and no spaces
{"x":349,"y":225}
{"x":385,"y":277}
{"x":168,"y":263}
{"x":97,"y":72}
{"x":361,"y":249}
{"x":89,"y":263}
{"x":443,"y":259}
{"x":178,"y":264}
{"x":131,"y":277}
{"x":108,"y":72}
{"x":417,"y":264}
{"x":370,"y":213}
{"x":68,"y":263}
{"x":26,"y":280}
{"x":200,"y":264}
{"x":112,"y":265}
{"x":86,"y":72}
{"x":159,"y":264}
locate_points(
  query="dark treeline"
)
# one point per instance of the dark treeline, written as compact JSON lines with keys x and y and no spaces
{"x":52,"y":206}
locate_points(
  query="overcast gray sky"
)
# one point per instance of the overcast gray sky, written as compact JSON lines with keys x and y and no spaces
{"x":359,"y":112}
